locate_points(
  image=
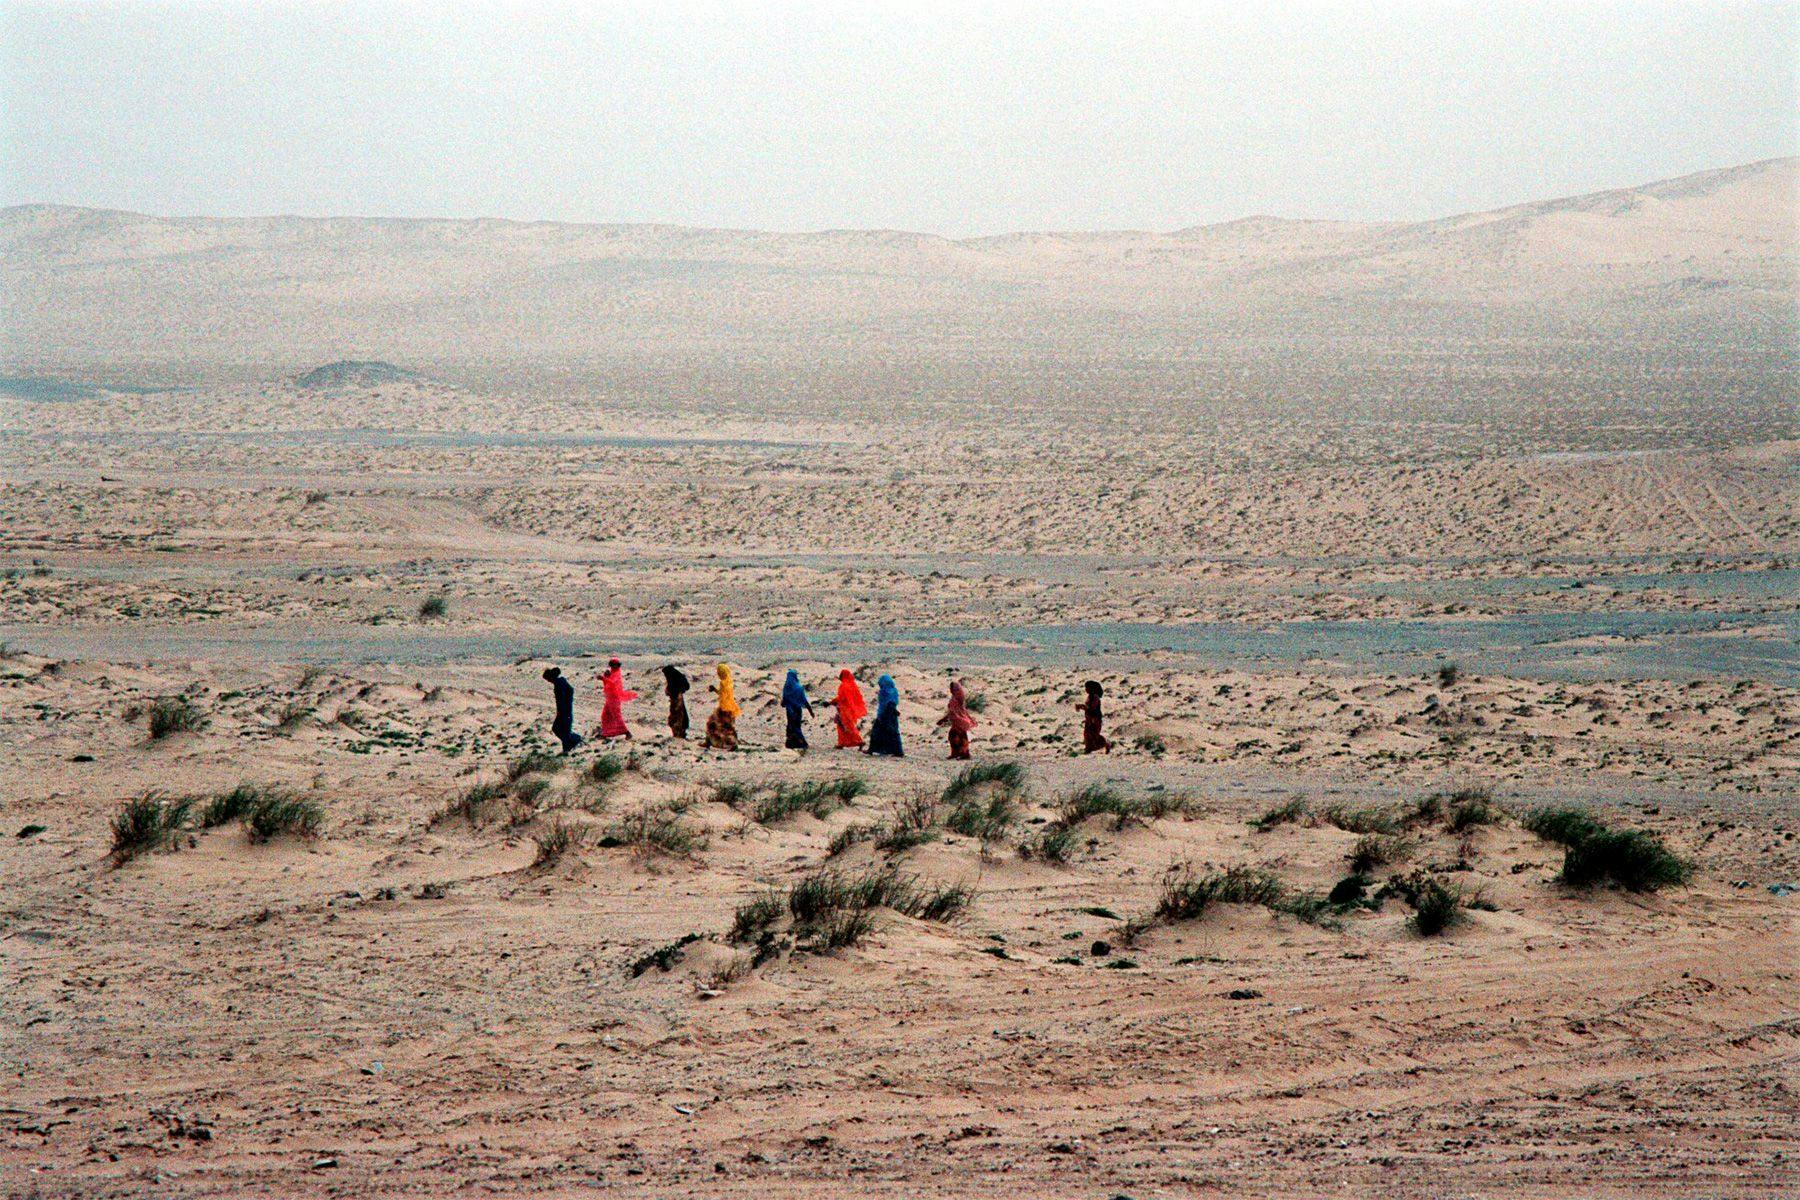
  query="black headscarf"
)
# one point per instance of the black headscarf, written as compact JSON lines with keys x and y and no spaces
{"x":674,"y":682}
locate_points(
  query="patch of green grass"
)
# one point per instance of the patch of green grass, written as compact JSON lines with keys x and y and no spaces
{"x":657,"y":830}
{"x":1471,"y":807}
{"x":818,"y":797}
{"x":231,"y":806}
{"x":279,"y":812}
{"x":606,"y":768}
{"x":175,"y":714}
{"x":148,"y":823}
{"x":1351,"y":889}
{"x":1281,"y":814}
{"x":1008,"y":776}
{"x":1096,"y":910}
{"x":1357,"y":820}
{"x":664,"y":958}
{"x":1186,"y":894}
{"x":533,"y":762}
{"x":986,"y":819}
{"x":476,"y":804}
{"x":1094,"y":800}
{"x":733,"y":792}
{"x":1564,"y":826}
{"x":1053,"y":845}
{"x":1437,"y":907}
{"x":755,"y":917}
{"x":851,"y":835}
{"x":1633,"y":859}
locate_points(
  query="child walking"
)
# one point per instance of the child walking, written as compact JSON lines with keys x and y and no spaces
{"x":957,"y":717}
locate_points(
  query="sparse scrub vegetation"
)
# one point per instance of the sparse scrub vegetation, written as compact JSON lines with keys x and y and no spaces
{"x":230,"y":806}
{"x":1634,"y":859}
{"x":606,"y":768}
{"x":1006,"y":776}
{"x":277,"y":812}
{"x":987,"y":820}
{"x":1357,"y":820}
{"x":1379,"y":850}
{"x":1471,"y":807}
{"x":556,"y":841}
{"x":1282,"y":814}
{"x":1437,"y":906}
{"x":476,"y":804}
{"x":830,"y":909}
{"x":1053,"y":845}
{"x":851,"y":835}
{"x":532,"y":762}
{"x":291,"y":716}
{"x":175,"y":714}
{"x":653,"y":829}
{"x":1186,"y":894}
{"x":433,"y":607}
{"x":148,"y":823}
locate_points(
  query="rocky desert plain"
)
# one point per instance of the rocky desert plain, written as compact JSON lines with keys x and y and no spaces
{"x":1418,"y":562}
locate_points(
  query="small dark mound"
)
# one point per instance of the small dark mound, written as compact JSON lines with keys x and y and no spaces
{"x":351,"y":373}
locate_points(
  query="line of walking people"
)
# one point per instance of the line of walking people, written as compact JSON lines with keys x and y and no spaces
{"x":848,"y":710}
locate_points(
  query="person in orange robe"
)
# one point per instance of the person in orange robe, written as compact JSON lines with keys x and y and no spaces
{"x":612,"y":715}
{"x":850,"y":709}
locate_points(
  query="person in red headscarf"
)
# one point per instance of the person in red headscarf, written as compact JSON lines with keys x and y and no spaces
{"x":958,"y":718}
{"x":850,"y":708}
{"x":612,"y":715}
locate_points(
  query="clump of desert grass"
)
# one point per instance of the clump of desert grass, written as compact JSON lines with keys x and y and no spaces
{"x":1594,"y":853}
{"x":987,"y":819}
{"x":175,"y":714}
{"x":819,"y":797}
{"x":1292,"y":812}
{"x":651,"y":830}
{"x":1186,"y":893}
{"x":291,"y":716}
{"x":1437,"y":907}
{"x":433,"y":607}
{"x":830,"y":909}
{"x":1354,"y":819}
{"x":605,"y":768}
{"x":278,"y":812}
{"x":911,"y":821}
{"x":556,"y":841}
{"x":148,"y":823}
{"x":533,"y":762}
{"x":1004,"y":776}
{"x":1374,"y":850}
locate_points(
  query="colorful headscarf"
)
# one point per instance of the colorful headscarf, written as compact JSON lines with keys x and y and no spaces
{"x":793,"y":692}
{"x":887,"y":696}
{"x":850,"y":703}
{"x":727,"y":697}
{"x":960,"y":720}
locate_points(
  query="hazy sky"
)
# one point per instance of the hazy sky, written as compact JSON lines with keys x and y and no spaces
{"x":955,"y":118}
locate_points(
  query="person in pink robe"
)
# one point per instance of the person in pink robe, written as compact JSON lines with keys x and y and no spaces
{"x":612,"y":714}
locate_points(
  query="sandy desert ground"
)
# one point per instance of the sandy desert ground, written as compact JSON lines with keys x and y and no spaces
{"x":487,"y":973}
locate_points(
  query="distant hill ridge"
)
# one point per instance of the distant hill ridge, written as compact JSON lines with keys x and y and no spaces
{"x":1704,"y":265}
{"x":351,"y":373}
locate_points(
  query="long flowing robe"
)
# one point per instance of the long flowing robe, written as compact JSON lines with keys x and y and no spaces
{"x":612,"y":714}
{"x":721,"y":727}
{"x":850,"y":707}
{"x":1092,"y":739}
{"x":795,"y":701}
{"x":563,"y":726}
{"x":960,"y":720}
{"x":675,"y":683}
{"x":884,"y":734}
